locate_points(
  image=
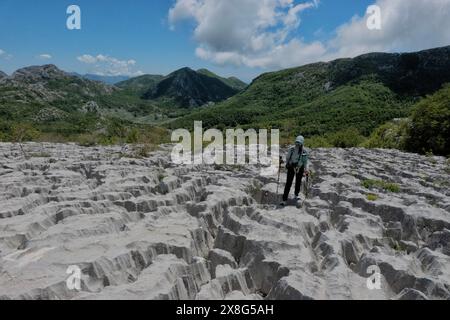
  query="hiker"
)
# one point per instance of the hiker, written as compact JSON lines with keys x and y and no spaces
{"x":297,"y":166}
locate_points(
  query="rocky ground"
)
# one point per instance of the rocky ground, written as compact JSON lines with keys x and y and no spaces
{"x":146,"y":229}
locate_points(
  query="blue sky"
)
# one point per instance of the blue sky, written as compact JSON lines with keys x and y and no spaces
{"x":160,"y":36}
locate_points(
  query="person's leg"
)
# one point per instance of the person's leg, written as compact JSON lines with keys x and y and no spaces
{"x":298,"y":181}
{"x":290,"y":179}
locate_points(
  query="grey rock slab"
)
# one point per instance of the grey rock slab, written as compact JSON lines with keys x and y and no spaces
{"x":145,"y":228}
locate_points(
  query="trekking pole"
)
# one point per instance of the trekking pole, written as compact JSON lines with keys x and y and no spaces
{"x":279,"y":173}
{"x":306,"y":186}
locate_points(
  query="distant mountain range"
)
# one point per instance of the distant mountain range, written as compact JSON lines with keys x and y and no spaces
{"x":105,"y":79}
{"x":47,"y":83}
{"x":233,"y":82}
{"x":50,"y":97}
{"x":314,"y":99}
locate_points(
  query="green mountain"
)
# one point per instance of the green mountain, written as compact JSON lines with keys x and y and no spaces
{"x":2,"y":75}
{"x":231,"y":81}
{"x":140,"y":85}
{"x":189,"y":89}
{"x":46,"y":103}
{"x":334,"y":102}
{"x":66,"y":104}
{"x":319,"y":98}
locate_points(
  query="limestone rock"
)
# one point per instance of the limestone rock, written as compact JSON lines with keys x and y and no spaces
{"x":148,"y":229}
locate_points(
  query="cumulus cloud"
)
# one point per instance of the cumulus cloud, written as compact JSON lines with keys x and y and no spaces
{"x":45,"y":56}
{"x":109,"y":66}
{"x":244,"y":32}
{"x":264,"y":33}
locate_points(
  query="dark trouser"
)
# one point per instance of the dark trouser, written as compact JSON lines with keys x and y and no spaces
{"x":290,"y":178}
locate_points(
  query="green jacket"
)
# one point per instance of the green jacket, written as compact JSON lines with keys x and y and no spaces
{"x":299,"y":160}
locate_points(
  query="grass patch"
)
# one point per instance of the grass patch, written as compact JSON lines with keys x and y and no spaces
{"x":380,"y":184}
{"x":40,"y":155}
{"x":372,"y":197}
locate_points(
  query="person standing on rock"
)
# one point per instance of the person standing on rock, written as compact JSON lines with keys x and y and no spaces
{"x":297,"y":166}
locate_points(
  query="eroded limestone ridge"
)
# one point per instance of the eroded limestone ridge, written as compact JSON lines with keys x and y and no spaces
{"x":147,"y":229}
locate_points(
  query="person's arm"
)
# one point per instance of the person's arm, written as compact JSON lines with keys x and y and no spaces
{"x":306,"y":162}
{"x":288,"y":157}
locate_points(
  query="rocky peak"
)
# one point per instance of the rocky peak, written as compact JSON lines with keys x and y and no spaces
{"x":39,"y":73}
{"x":3,"y":75}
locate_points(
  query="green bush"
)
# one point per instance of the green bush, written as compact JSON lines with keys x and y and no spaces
{"x":391,"y":135}
{"x":117,"y":129}
{"x":21,"y":132}
{"x":133,"y":136}
{"x":346,"y":138}
{"x":318,"y":142}
{"x":87,"y":140}
{"x":430,"y":125}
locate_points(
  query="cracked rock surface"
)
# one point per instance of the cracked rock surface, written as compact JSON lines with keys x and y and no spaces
{"x":148,"y":229}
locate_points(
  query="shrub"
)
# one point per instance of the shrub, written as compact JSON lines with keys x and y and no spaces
{"x":391,"y":135}
{"x":116,"y":129}
{"x":430,"y":124}
{"x":3,"y":136}
{"x":346,"y":138}
{"x":372,"y":197}
{"x":87,"y":140}
{"x":21,"y":132}
{"x":318,"y":142}
{"x":133,"y":136}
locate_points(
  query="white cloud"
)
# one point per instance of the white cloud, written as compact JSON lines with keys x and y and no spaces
{"x":259,"y":33}
{"x":87,"y":58}
{"x":293,"y":53}
{"x":406,"y":25}
{"x":45,"y":56}
{"x":109,"y":66}
{"x":244,"y":32}
{"x":5,"y":55}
